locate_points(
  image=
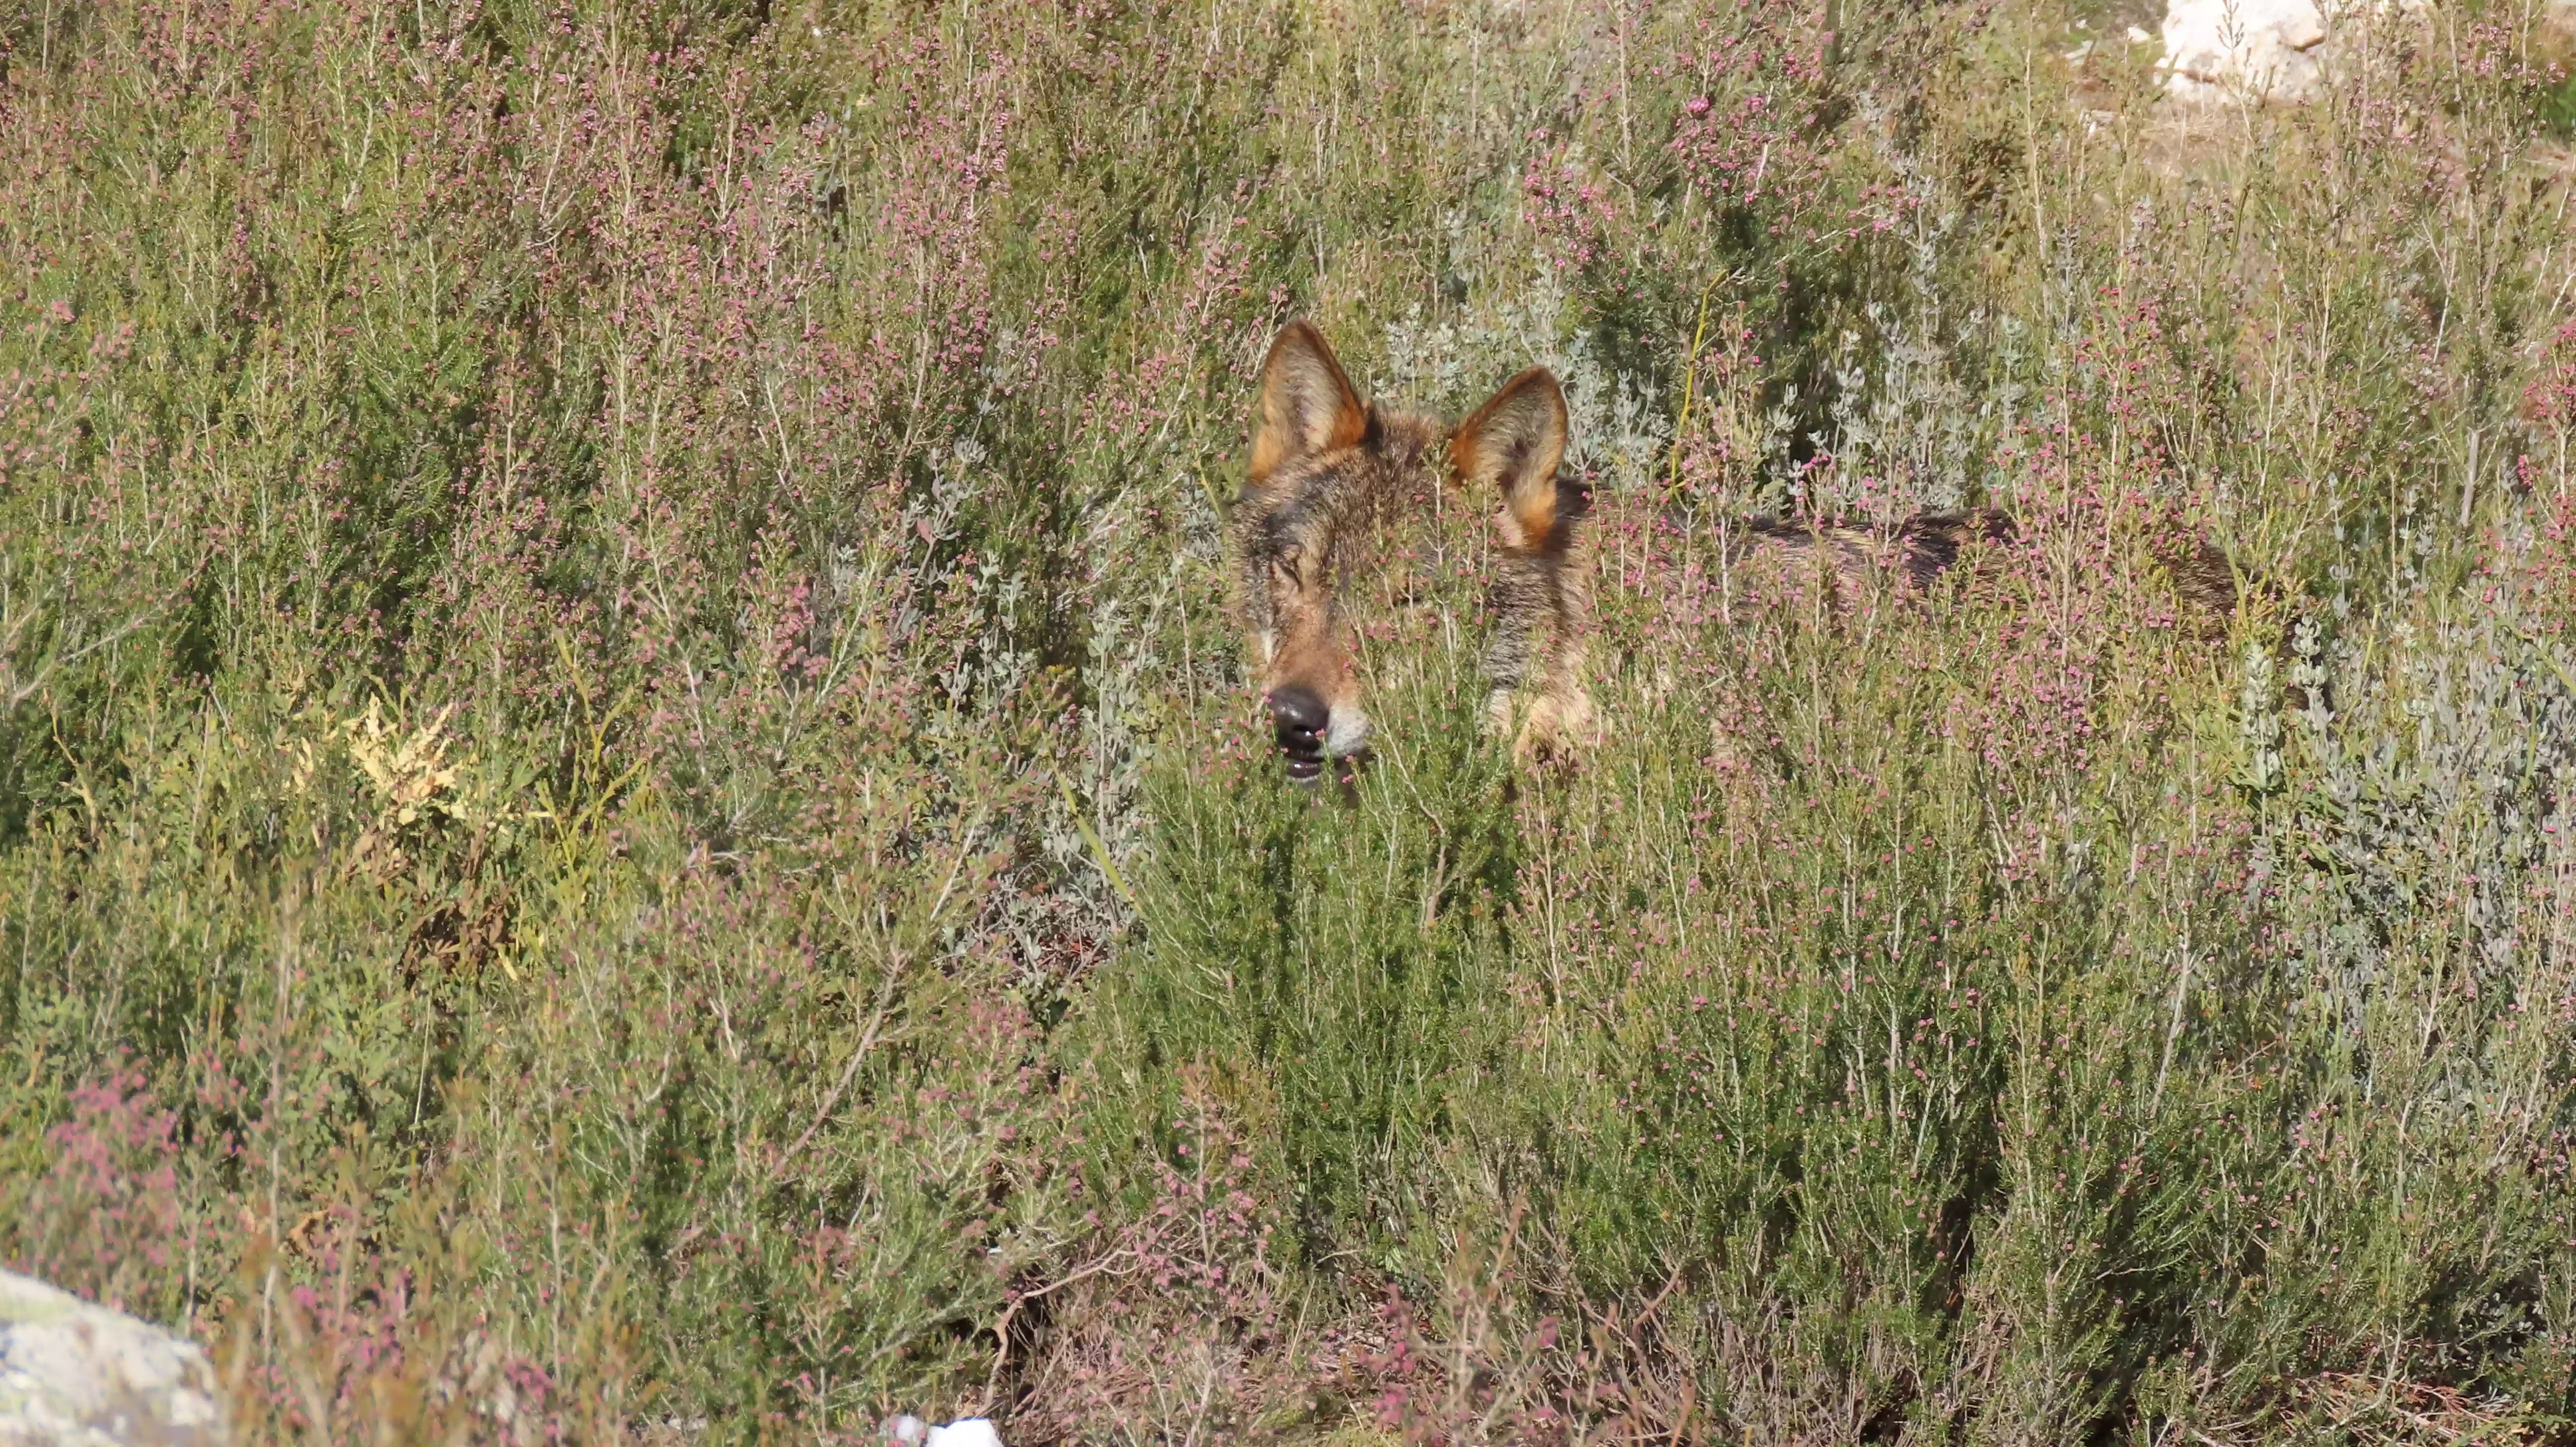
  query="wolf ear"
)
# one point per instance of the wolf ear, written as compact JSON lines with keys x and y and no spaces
{"x":1307,"y":405}
{"x":1515,"y":442}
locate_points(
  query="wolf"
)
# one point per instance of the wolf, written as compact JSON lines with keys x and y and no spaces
{"x":1326,"y":474}
{"x":1328,"y":470}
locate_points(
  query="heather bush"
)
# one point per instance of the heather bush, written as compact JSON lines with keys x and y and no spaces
{"x":629,"y":811}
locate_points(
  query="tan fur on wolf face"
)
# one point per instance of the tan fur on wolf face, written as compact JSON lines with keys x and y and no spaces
{"x":1327,"y":469}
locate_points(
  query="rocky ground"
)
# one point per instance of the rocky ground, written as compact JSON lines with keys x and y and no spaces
{"x":77,"y":1375}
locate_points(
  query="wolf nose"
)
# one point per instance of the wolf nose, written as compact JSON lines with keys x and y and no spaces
{"x":1297,"y":710}
{"x":1299,"y":717}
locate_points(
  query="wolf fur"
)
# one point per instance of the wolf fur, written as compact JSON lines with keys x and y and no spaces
{"x":1917,"y":549}
{"x":1920,"y":547}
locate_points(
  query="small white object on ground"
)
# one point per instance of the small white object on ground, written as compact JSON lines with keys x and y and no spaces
{"x":906,"y":1429}
{"x":77,"y":1375}
{"x":964,"y":1432}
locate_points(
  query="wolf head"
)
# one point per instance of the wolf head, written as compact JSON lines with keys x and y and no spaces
{"x":1326,"y":471}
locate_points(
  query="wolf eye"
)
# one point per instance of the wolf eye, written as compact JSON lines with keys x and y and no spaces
{"x":1287,"y":564}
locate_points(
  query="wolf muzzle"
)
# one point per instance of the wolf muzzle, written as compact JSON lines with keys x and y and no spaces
{"x":1299,"y":718}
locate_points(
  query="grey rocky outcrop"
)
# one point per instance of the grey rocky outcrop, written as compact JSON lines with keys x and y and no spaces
{"x":77,"y":1375}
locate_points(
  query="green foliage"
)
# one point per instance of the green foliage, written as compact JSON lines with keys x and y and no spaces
{"x":627,"y":808}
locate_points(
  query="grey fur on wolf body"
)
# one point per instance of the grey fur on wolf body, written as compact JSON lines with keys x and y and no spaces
{"x":1326,"y":472}
{"x":1920,"y":547}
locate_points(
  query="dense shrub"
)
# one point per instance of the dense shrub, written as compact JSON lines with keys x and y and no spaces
{"x":627,"y":809}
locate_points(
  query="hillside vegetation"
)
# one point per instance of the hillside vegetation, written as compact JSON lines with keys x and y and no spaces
{"x":629,"y":811}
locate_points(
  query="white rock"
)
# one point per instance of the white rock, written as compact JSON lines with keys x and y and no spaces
{"x":2265,"y":48}
{"x":2276,"y":50}
{"x":77,"y":1375}
{"x":965,"y":1432}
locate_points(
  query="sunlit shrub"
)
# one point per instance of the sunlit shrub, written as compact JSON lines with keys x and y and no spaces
{"x":628,"y":809}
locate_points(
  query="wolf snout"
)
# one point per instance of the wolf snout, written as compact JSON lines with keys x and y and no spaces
{"x":1300,"y":718}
